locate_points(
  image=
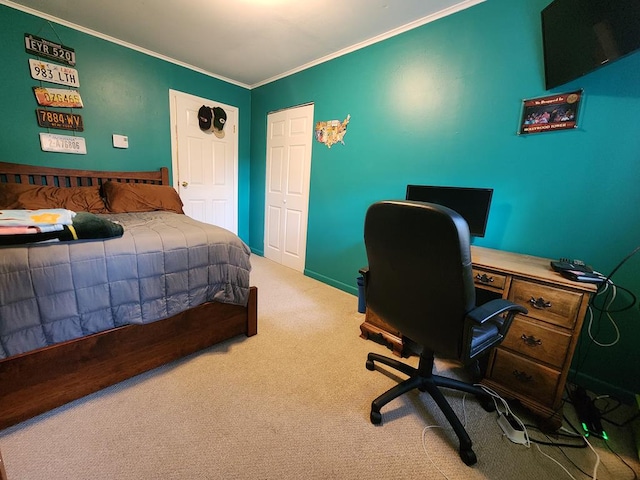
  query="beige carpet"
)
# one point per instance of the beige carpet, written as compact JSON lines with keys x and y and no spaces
{"x":289,"y":403}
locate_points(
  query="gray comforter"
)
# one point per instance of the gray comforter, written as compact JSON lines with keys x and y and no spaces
{"x":164,"y":263}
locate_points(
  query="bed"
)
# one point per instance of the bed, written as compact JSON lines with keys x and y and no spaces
{"x":39,"y":379}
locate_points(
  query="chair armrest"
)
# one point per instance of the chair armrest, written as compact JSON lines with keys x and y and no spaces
{"x":489,"y":310}
{"x":485,"y":327}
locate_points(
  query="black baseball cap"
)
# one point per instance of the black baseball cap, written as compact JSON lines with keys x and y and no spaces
{"x":219,"y":118}
{"x":205,"y":117}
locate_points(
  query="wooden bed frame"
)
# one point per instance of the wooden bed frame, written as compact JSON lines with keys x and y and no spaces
{"x":35,"y":382}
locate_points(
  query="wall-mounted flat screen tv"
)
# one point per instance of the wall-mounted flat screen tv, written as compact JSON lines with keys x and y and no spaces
{"x":580,"y":36}
{"x":471,"y":203}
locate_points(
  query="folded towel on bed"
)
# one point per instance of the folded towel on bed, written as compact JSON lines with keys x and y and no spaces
{"x":36,"y":218}
{"x":85,"y":226}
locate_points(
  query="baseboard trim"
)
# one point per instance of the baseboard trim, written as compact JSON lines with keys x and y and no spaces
{"x":352,"y":289}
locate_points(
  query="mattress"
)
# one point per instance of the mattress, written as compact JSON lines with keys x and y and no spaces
{"x":163,"y":264}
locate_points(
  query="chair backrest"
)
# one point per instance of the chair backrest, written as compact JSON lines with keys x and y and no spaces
{"x":420,"y":279}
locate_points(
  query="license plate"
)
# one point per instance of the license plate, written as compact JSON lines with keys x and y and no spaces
{"x":61,"y":120}
{"x":55,"y":97}
{"x":50,"y":72}
{"x":49,"y":49}
{"x":62,"y":144}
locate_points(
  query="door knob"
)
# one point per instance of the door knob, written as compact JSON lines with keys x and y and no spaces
{"x":184,"y":184}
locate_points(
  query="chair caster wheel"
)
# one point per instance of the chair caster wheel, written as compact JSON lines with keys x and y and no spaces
{"x":370,"y":365}
{"x":487,"y":403}
{"x":376,"y":417}
{"x":468,"y":457}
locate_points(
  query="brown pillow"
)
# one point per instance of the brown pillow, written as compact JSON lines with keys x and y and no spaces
{"x":140,"y":197}
{"x":17,"y":196}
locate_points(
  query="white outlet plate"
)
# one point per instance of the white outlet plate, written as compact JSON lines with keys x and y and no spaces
{"x":120,"y":141}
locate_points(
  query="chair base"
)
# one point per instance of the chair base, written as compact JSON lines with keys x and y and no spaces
{"x":424,"y":380}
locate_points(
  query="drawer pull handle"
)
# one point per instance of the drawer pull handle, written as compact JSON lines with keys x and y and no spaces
{"x":540,"y":303}
{"x":483,"y":278}
{"x":530,"y":341}
{"x":521,"y":376}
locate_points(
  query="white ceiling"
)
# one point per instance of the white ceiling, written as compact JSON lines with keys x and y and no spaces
{"x":247,"y":42}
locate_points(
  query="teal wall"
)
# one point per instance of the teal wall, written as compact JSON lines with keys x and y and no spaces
{"x":123,"y":91}
{"x":437,"y":105}
{"x":441,"y":105}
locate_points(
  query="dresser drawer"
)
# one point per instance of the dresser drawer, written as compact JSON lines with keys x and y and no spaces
{"x":524,"y":376}
{"x":489,"y":279}
{"x":546,"y":303}
{"x":537,"y":341}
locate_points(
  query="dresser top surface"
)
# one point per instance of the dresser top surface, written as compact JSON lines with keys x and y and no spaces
{"x":523,"y":265}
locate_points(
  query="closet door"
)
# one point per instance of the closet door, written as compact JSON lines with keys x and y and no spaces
{"x":289,"y":141}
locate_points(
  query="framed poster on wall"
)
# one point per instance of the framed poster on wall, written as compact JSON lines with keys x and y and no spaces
{"x":550,"y":113}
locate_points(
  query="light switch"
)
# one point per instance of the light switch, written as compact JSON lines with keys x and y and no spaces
{"x":120,"y":141}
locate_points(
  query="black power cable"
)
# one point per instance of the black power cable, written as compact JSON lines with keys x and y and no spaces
{"x":581,"y":356}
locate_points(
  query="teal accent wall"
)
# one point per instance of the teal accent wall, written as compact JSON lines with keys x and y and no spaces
{"x":441,"y":105}
{"x":123,"y":91}
{"x":437,"y":105}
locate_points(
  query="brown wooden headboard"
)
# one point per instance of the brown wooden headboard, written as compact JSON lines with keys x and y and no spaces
{"x":67,"y":177}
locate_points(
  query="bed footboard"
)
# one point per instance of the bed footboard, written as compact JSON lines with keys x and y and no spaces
{"x":36,"y":382}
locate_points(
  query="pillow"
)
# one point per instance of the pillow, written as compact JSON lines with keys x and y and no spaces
{"x":17,"y":196}
{"x":140,"y":197}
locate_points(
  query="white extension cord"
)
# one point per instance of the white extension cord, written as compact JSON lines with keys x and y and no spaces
{"x":516,"y":436}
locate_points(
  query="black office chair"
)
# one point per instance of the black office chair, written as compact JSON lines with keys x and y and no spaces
{"x":419,"y":280}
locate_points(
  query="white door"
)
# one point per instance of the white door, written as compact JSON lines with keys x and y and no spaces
{"x":205,"y":165}
{"x":289,"y":141}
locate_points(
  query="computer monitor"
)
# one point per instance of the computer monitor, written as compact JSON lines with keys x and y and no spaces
{"x":471,"y":203}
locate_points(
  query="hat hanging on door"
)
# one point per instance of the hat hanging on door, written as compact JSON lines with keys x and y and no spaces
{"x":219,"y":119}
{"x":205,"y":117}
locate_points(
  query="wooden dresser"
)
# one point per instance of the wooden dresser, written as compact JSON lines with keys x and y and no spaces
{"x":532,"y":363}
